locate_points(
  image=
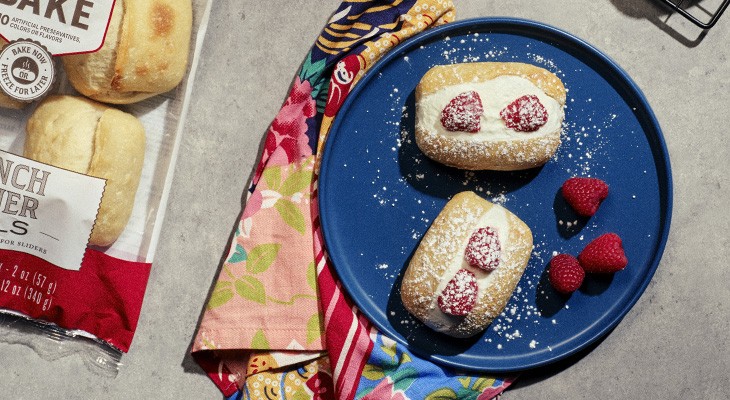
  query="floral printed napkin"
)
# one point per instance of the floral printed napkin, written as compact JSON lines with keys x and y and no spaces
{"x":277,"y":324}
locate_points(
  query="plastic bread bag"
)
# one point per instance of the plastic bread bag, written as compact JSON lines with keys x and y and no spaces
{"x":92,"y":105}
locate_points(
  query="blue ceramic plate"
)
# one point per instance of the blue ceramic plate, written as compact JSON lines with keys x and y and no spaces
{"x":378,"y":194}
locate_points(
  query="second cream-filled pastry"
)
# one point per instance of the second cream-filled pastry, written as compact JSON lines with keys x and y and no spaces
{"x":466,"y":266}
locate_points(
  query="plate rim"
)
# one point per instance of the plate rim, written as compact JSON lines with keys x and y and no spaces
{"x":517,"y":24}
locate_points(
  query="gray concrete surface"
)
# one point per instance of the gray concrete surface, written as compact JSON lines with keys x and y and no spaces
{"x":675,"y":343}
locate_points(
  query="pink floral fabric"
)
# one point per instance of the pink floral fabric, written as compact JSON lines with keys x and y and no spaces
{"x":286,"y":140}
{"x":262,"y":334}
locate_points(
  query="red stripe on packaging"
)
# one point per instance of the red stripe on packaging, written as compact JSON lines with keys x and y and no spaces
{"x":103,"y":298}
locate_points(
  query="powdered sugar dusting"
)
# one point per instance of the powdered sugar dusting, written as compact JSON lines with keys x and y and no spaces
{"x":419,"y":191}
{"x":525,"y":114}
{"x":463,"y":113}
{"x":459,"y":295}
{"x":483,"y":250}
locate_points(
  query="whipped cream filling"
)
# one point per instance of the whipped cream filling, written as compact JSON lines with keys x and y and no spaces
{"x":495,"y":94}
{"x":496,"y":218}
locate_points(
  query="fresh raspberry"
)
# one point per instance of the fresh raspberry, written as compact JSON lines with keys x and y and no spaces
{"x":463,"y":113}
{"x":526,"y":114}
{"x":483,"y":250}
{"x":605,"y":254}
{"x":460,"y":294}
{"x":565,"y":273}
{"x":584,"y":194}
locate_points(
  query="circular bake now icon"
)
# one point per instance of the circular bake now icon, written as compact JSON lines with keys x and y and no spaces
{"x":26,"y":70}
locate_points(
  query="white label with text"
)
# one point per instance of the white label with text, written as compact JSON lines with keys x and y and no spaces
{"x":62,"y":26}
{"x":47,"y":211}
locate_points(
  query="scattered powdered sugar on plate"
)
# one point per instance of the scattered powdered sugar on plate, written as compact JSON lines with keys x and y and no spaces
{"x":581,"y":153}
{"x":546,"y":63}
{"x":583,"y":159}
{"x":468,"y":50}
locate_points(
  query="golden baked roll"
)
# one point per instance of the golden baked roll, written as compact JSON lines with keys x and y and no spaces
{"x":145,"y":52}
{"x":90,"y":138}
{"x":466,"y":266}
{"x":489,"y":115}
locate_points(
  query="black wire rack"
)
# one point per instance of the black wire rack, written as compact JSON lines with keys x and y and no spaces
{"x":702,"y":13}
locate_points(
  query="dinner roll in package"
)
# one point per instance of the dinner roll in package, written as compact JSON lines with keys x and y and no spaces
{"x":93,"y":96}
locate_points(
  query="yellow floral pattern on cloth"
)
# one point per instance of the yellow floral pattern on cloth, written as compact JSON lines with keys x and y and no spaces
{"x":424,"y":14}
{"x":294,"y":382}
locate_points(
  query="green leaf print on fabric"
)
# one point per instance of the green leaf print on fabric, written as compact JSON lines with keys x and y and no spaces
{"x":372,"y":372}
{"x":296,"y":182}
{"x":222,"y":293}
{"x":478,"y":385}
{"x":314,"y":328}
{"x":259,"y":260}
{"x":482,"y":383}
{"x":390,"y":350}
{"x":261,"y":257}
{"x":314,"y":72}
{"x":272,"y":177}
{"x":291,"y":214}
{"x":312,"y":276}
{"x":294,"y":187}
{"x":259,"y":341}
{"x":404,"y":378}
{"x":238,"y":256}
{"x":396,"y":366}
{"x":251,"y":288}
{"x":301,"y":394}
{"x":442,"y":394}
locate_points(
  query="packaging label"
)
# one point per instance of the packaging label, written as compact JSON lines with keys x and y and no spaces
{"x":61,"y":26}
{"x":26,"y":70}
{"x":46,"y":211}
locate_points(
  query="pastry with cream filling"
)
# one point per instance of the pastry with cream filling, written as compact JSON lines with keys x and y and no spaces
{"x":489,"y":115}
{"x":467,"y":266}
